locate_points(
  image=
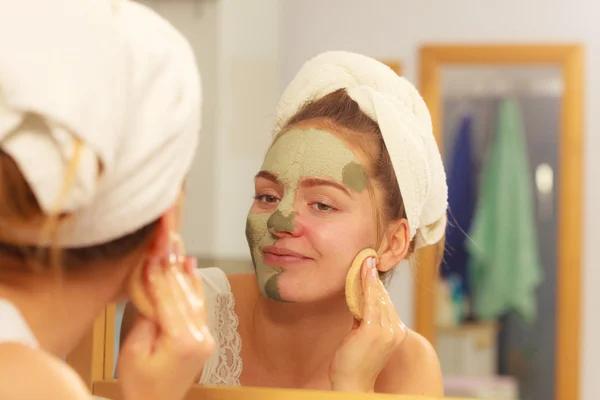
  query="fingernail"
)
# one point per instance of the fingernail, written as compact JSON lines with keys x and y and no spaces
{"x":150,"y":269}
{"x":174,"y":253}
{"x":372,"y":262}
{"x":191,"y":266}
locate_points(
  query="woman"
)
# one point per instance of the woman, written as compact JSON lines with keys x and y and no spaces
{"x":353,"y":165}
{"x":98,"y":126}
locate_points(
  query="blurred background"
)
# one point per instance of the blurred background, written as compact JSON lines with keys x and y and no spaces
{"x":248,"y":51}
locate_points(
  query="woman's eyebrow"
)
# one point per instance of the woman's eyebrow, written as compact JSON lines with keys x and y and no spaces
{"x":268,"y":176}
{"x":312,"y":182}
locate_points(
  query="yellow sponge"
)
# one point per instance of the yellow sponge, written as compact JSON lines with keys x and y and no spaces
{"x":354,"y":293}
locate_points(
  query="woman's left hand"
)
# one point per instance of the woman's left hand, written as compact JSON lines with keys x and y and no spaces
{"x":365,"y":351}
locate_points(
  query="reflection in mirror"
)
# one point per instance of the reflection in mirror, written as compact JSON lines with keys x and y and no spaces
{"x":496,"y":313}
{"x":289,"y":324}
{"x":544,"y":179}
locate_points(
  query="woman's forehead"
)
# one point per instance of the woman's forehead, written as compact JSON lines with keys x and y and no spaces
{"x":313,"y":152}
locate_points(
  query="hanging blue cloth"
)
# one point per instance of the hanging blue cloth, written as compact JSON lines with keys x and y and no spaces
{"x":462,"y":196}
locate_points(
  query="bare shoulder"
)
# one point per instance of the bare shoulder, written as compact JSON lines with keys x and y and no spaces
{"x":28,"y":373}
{"x":413,"y":370}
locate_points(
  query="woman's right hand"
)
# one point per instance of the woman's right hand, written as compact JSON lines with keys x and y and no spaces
{"x":161,"y":360}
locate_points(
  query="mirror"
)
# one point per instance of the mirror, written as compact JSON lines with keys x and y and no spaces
{"x":110,"y":390}
{"x":241,"y":89}
{"x":240,"y":95}
{"x":515,"y":336}
{"x":507,"y":125}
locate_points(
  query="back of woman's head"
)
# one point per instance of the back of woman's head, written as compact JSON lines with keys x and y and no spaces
{"x":94,"y":150}
{"x":23,"y":222}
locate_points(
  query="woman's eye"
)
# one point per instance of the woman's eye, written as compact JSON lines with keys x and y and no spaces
{"x":321,"y":207}
{"x":266,"y":198}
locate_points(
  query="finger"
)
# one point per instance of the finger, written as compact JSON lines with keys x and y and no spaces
{"x":189,"y":292}
{"x":400,"y":330}
{"x":386,"y":313}
{"x":372,"y":305}
{"x":364,"y":271}
{"x":381,"y":290}
{"x":184,"y":337}
{"x":179,"y":263}
{"x":182,"y":291}
{"x":192,"y":316}
{"x":168,"y":305}
{"x":385,"y":299}
{"x":190,"y":268}
{"x":193,"y":288}
{"x":180,"y":272}
{"x":391,"y":320}
{"x":141,"y":337}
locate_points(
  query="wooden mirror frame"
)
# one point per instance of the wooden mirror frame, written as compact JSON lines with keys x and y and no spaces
{"x":395,"y":65}
{"x":110,"y":390}
{"x":93,"y":359}
{"x":569,"y":58}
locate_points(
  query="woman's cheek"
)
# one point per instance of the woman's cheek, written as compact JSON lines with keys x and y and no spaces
{"x":337,"y":244}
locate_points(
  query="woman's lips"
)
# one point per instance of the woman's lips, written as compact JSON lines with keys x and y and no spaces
{"x":281,"y":257}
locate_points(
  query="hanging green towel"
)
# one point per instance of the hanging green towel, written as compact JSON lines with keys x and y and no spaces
{"x":504,"y":265}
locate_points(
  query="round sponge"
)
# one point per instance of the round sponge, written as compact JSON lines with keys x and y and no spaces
{"x":354,"y":293}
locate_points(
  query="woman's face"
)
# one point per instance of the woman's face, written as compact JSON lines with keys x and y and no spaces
{"x":311,"y":216}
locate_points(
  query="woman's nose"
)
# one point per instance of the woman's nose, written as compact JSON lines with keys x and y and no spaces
{"x":280,"y":224}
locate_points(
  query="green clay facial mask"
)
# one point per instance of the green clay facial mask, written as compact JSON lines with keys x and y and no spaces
{"x":297,"y":154}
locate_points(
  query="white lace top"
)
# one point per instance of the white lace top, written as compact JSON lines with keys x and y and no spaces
{"x":225,"y":366}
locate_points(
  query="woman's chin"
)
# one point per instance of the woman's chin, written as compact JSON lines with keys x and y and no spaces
{"x":294,"y":292}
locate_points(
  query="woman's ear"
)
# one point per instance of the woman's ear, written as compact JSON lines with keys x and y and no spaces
{"x":159,"y":246}
{"x":160,"y":240}
{"x":178,"y":211}
{"x":169,"y":222}
{"x":395,"y":246}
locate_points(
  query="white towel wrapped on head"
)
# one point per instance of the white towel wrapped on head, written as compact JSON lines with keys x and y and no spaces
{"x":404,"y":121}
{"x":115,"y":77}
